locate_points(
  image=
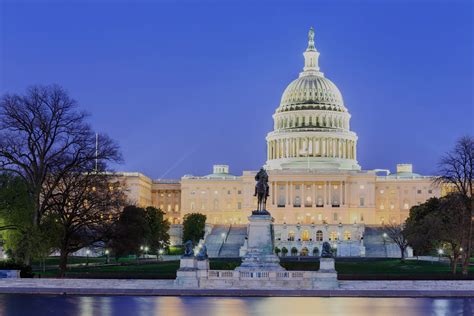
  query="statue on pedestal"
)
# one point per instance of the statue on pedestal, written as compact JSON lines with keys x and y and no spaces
{"x":326,"y":252}
{"x":188,"y":249}
{"x":262,"y":192}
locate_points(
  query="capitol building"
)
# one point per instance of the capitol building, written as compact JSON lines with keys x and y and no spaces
{"x":318,"y":190}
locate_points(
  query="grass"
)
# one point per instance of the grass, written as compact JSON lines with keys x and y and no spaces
{"x":352,"y":269}
{"x":51,"y":261}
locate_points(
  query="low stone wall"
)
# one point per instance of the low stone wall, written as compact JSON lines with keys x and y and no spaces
{"x":168,"y":288}
{"x":196,"y":274}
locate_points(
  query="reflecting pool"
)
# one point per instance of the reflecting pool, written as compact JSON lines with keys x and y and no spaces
{"x":229,"y":306}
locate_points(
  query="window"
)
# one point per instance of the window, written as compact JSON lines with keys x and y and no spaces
{"x":169,"y":208}
{"x":418,"y":191}
{"x":320,"y":217}
{"x":320,"y":202}
{"x":361,"y":217}
{"x":228,"y":192}
{"x":382,"y":207}
{"x":406,"y":206}
{"x":239,"y":205}
{"x":239,"y":192}
{"x":305,"y":235}
{"x":430,"y":191}
{"x":291,"y":236}
{"x":361,"y":187}
{"x":347,"y":235}
{"x":333,"y":236}
{"x":203,"y":205}
{"x":392,"y":206}
{"x":297,"y":202}
{"x":176,"y":208}
{"x":169,"y":194}
{"x":382,"y":191}
{"x":319,"y":235}
{"x":193,"y":192}
{"x":192,"y":206}
{"x":335,"y":217}
{"x":362,"y":201}
{"x":216,"y":192}
{"x":216,"y":204}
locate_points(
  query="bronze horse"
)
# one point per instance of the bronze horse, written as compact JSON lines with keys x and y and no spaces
{"x":262,"y":189}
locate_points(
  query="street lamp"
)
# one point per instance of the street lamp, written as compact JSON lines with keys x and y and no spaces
{"x":87,"y":257}
{"x":146,"y":250}
{"x":160,"y":253}
{"x":107,"y":256}
{"x":384,"y":243}
{"x":5,"y":256}
{"x":440,"y":253}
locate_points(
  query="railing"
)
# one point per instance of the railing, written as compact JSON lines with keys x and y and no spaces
{"x":278,"y":275}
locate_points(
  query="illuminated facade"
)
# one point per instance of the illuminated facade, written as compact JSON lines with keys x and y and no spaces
{"x":315,"y":178}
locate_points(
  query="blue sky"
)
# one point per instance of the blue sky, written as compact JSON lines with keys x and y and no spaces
{"x":182,"y":85}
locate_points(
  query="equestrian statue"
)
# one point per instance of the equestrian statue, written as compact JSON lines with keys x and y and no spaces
{"x":262,"y":192}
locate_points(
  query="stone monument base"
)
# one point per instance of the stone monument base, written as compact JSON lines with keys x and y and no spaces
{"x":327,"y":265}
{"x":259,"y":254}
{"x":187,"y":274}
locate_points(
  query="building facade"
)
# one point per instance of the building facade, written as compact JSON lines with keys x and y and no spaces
{"x":314,"y":175}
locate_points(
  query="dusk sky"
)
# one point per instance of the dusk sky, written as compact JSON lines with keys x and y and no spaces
{"x":182,"y":86}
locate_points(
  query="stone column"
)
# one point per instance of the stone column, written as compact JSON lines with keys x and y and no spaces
{"x":290,"y":199}
{"x":325,"y":202}
{"x":340,"y":193}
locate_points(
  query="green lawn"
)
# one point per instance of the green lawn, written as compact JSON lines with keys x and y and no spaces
{"x":348,"y":269}
{"x":78,"y":260}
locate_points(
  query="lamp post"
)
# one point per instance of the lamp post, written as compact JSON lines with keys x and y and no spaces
{"x":87,"y":257}
{"x":107,"y":256}
{"x":384,"y":236}
{"x":160,"y":253}
{"x":146,"y":251}
{"x":440,"y":253}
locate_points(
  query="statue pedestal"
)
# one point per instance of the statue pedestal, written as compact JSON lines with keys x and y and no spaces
{"x":188,"y":274}
{"x":327,"y":265}
{"x":326,"y":277}
{"x":259,"y":255}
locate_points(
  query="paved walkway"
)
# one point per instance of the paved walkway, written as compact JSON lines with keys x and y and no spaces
{"x":166,"y":287}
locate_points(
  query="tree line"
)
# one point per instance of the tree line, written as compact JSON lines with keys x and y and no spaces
{"x":57,"y":189}
{"x":443,"y":226}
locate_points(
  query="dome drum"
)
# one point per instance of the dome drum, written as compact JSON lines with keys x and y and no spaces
{"x":311,"y":119}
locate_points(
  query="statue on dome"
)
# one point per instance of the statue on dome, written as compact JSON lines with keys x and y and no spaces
{"x":262,"y":192}
{"x":311,"y":34}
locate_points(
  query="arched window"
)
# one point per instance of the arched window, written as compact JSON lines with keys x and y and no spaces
{"x":347,"y":235}
{"x":291,"y":236}
{"x":319,"y":235}
{"x":333,"y":236}
{"x":304,"y":252}
{"x":305,"y":235}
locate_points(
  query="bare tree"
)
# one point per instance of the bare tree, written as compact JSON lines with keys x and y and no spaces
{"x":456,"y":172}
{"x":397,"y":235}
{"x":84,"y":205}
{"x":43,"y":137}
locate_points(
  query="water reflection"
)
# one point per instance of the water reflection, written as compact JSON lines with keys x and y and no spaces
{"x":231,"y":306}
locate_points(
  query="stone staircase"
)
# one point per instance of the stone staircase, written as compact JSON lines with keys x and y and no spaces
{"x":235,"y":239}
{"x":373,"y":242}
{"x":225,"y":240}
{"x":214,"y":240}
{"x":376,"y":248}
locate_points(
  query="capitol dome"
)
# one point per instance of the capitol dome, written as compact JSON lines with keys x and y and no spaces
{"x":311,"y":125}
{"x":312,"y":92}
